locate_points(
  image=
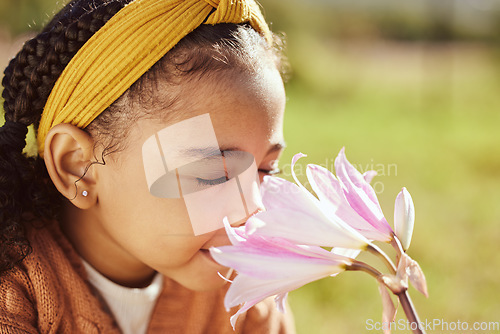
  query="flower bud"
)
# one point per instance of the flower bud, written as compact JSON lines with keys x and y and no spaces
{"x":404,"y":218}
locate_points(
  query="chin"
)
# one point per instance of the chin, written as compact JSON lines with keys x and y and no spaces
{"x":207,"y":282}
{"x":200,"y":273}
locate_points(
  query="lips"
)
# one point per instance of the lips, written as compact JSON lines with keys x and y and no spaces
{"x":217,"y":240}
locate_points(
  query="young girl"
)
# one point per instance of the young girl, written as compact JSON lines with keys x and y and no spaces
{"x":139,"y":106}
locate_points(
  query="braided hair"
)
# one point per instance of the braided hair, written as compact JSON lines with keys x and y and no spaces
{"x":26,"y":192}
{"x":27,"y":195}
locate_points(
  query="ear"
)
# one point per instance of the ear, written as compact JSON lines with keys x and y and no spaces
{"x":68,"y":154}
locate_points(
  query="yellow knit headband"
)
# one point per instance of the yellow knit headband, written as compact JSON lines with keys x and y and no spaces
{"x":130,"y":43}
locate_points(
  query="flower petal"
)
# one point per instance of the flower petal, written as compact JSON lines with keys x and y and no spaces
{"x":246,"y":306}
{"x":409,"y":269}
{"x":360,"y":194}
{"x":249,"y":291}
{"x":305,"y":229}
{"x":232,"y":233}
{"x":278,"y":258}
{"x":293,"y":210}
{"x":274,"y":263}
{"x":295,"y":158}
{"x":246,"y":288}
{"x":350,"y":253}
{"x":280,"y":301}
{"x":333,"y":202}
{"x":417,"y":278}
{"x":389,"y":311}
{"x":279,"y":193}
{"x":260,"y":242}
{"x":369,"y":175}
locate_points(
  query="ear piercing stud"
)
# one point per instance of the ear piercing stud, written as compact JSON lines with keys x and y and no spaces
{"x":85,"y":193}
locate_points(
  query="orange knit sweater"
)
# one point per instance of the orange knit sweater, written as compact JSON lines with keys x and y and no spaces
{"x":49,"y":293}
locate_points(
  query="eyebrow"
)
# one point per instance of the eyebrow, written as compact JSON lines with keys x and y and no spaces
{"x":201,"y":151}
{"x":212,"y":151}
{"x":276,"y":147}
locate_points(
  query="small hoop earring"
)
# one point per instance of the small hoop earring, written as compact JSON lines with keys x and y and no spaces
{"x":84,"y":193}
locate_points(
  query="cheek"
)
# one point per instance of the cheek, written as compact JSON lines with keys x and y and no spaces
{"x":128,"y":205}
{"x":149,"y":227}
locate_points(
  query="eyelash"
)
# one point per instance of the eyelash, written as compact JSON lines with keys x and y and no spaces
{"x":275,"y":171}
{"x":213,"y":182}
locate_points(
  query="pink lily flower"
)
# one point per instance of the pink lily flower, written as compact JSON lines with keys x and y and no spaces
{"x":293,"y":213}
{"x":279,"y":250}
{"x":271,"y":267}
{"x":340,"y":204}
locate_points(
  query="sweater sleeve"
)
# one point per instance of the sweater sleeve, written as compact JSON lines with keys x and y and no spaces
{"x":17,"y":312}
{"x":265,"y":318}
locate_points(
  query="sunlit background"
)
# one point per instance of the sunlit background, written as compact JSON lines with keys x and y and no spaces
{"x":411,"y":89}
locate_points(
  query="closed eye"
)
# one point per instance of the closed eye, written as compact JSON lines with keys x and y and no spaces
{"x":211,"y":182}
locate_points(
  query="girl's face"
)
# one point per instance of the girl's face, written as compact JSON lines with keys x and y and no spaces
{"x":129,"y":233}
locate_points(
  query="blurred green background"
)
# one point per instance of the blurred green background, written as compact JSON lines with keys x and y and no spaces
{"x":411,"y":89}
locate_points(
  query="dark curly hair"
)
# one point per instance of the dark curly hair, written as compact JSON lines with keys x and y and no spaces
{"x":27,"y":195}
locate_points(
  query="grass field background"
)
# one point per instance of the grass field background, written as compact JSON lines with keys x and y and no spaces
{"x":425,"y":115}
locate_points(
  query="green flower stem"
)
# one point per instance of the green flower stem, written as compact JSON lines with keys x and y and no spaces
{"x":396,"y":244}
{"x":411,"y":313}
{"x":403,"y":296}
{"x":378,"y":252}
{"x":361,"y":266}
